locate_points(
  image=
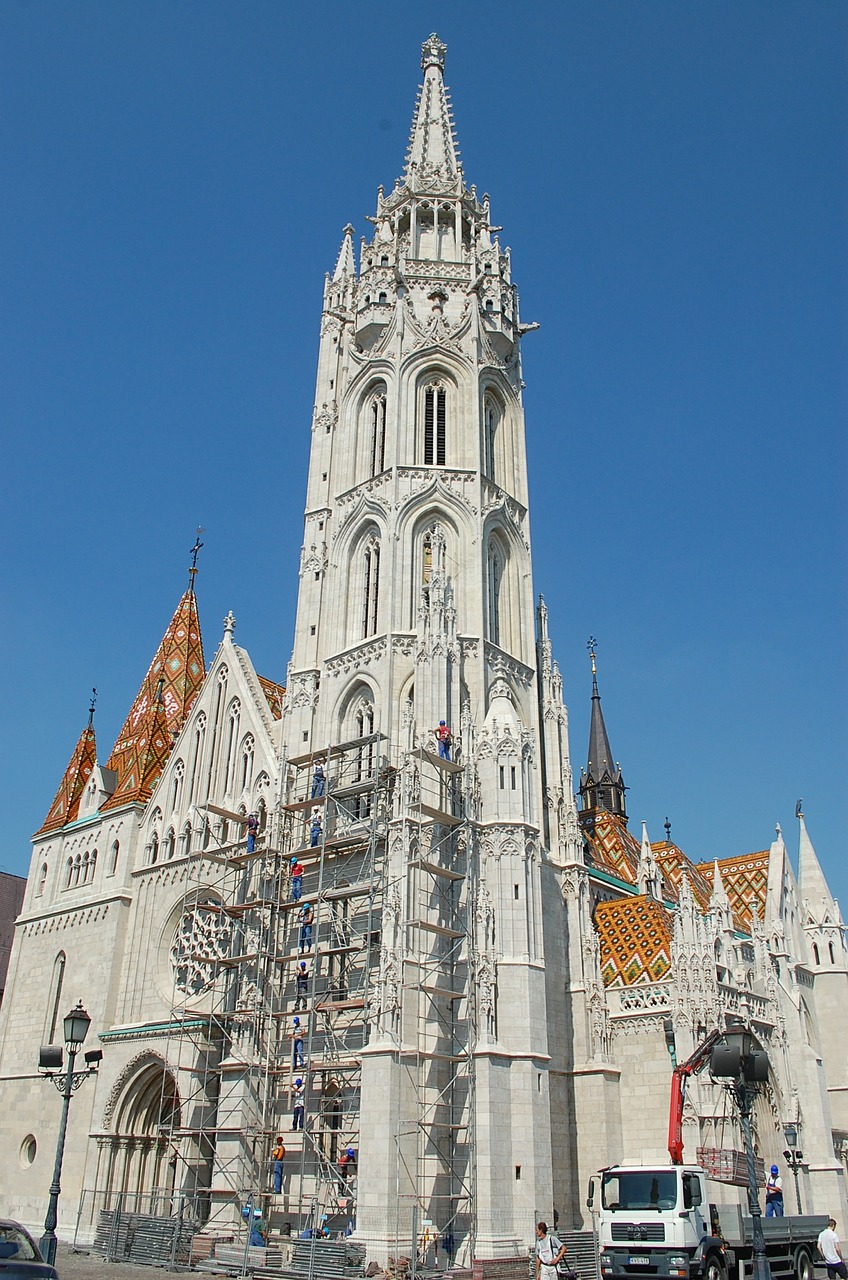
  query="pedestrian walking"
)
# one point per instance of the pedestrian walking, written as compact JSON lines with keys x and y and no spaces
{"x":831,"y":1250}
{"x":550,"y":1252}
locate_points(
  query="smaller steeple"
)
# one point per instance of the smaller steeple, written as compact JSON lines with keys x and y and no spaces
{"x":601,"y":783}
{"x":345,"y":265}
{"x":432,"y":143}
{"x":648,"y":878}
{"x":66,"y":803}
{"x":813,"y":890}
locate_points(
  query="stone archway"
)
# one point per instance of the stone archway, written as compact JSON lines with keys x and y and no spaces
{"x":137,"y":1157}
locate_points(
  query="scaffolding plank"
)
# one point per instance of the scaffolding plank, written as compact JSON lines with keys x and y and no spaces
{"x":431,"y":927}
{"x":336,"y":1005}
{"x":240,"y":818}
{"x":435,"y":869}
{"x":326,"y":753}
{"x":432,"y":988}
{"x":297,"y":806}
{"x":447,"y":766}
{"x":359,"y":890}
{"x":437,"y":815}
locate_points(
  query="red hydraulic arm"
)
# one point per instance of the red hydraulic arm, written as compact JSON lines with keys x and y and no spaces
{"x":691,"y":1067}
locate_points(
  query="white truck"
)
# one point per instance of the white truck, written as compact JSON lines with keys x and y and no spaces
{"x":657,"y":1221}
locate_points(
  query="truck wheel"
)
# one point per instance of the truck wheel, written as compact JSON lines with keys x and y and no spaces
{"x":803,"y":1265}
{"x":715,"y":1268}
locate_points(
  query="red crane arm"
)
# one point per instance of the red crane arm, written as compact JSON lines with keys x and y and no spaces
{"x":691,"y":1067}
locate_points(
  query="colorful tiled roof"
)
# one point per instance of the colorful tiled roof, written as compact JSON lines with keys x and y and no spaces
{"x":635,"y":939}
{"x":746,"y":880}
{"x":613,"y":848}
{"x":673,"y":863}
{"x":155,"y":718}
{"x":65,"y":806}
{"x":274,"y":694}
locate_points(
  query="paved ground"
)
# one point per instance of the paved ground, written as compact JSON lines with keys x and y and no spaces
{"x":81,"y":1266}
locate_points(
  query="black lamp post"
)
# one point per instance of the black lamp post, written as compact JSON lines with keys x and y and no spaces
{"x":75,"y":1026}
{"x":794,"y":1157}
{"x":745,"y":1067}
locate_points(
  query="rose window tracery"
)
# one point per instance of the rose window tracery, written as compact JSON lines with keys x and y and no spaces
{"x":202,"y":938}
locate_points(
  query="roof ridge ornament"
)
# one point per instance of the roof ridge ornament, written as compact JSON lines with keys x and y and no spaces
{"x":433,"y":52}
{"x":192,"y":570}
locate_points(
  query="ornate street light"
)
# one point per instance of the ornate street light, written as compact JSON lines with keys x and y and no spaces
{"x":745,"y":1066}
{"x":794,"y":1157}
{"x":75,"y":1027}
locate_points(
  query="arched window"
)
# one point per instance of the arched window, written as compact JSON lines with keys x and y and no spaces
{"x":113,"y":861}
{"x":364,"y":728}
{"x":491,"y":418}
{"x":42,"y":880}
{"x":217,"y":732}
{"x":77,"y":866}
{"x":177,"y":785}
{"x":170,"y":844}
{"x":197,"y":754}
{"x":378,"y":433}
{"x":55,"y":996}
{"x":185,"y":840}
{"x":69,"y":873}
{"x":92,"y":864}
{"x":816,"y":953}
{"x":247,"y":762}
{"x":830,"y":953}
{"x":154,"y":847}
{"x":232,"y":739}
{"x":435,"y":424}
{"x":370,"y":586}
{"x":495,"y":571}
{"x":84,"y":868}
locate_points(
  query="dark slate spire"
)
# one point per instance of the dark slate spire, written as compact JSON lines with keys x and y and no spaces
{"x":601,"y":783}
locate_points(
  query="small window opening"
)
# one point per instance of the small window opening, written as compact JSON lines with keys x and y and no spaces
{"x":515,"y":892}
{"x":518,"y":1173}
{"x":320,"y":525}
{"x":501,"y":770}
{"x":539,"y":1082}
{"x":382,"y":298}
{"x":305,"y":735}
{"x":323,"y":475}
{"x":312,"y":631}
{"x":384,"y":261}
{"x":317,"y":574}
{"x":512,"y":777}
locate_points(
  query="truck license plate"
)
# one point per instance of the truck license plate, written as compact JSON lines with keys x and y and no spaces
{"x":639,"y":1260}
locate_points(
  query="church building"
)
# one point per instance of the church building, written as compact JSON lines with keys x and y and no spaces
{"x":369,"y":911}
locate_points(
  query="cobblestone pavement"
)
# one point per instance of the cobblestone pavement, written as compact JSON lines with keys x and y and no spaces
{"x":82,"y":1266}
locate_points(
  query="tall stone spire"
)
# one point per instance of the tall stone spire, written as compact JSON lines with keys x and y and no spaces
{"x":601,"y":784}
{"x":432,"y":142}
{"x":66,"y":802}
{"x":160,"y":706}
{"x":812,"y":886}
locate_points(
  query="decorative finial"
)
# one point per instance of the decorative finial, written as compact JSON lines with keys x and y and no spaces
{"x":590,"y":645}
{"x":799,"y":809}
{"x":91,"y":709}
{"x":229,"y":623}
{"x":433,"y":53}
{"x":667,"y":826}
{"x":192,"y":572}
{"x":777,"y":830}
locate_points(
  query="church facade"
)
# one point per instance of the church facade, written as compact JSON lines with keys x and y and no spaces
{"x":368,"y":911}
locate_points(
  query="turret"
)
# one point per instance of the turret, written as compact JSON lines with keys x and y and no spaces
{"x":601,"y":782}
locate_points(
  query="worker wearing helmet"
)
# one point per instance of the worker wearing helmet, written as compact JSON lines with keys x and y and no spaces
{"x":444,"y":738}
{"x":774,"y":1194}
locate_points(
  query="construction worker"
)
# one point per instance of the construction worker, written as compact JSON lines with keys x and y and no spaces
{"x":297,"y":1045}
{"x":278,"y":1155}
{"x":315,"y":829}
{"x":301,"y":985}
{"x":252,"y":832}
{"x":317,"y":780}
{"x":444,"y":738}
{"x":297,"y":1104}
{"x":774,"y":1194}
{"x":296,"y":879}
{"x":307,"y":919}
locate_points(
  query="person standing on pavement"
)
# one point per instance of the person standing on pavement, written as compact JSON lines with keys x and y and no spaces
{"x":831,"y":1251}
{"x":549,"y":1253}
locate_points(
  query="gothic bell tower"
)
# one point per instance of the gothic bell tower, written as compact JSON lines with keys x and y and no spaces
{"x":415,"y":607}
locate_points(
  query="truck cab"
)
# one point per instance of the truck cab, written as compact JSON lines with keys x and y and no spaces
{"x":654,"y":1221}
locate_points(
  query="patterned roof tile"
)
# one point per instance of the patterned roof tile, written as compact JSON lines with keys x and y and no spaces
{"x":65,"y":806}
{"x":635,"y":939}
{"x":746,"y":880}
{"x":274,"y":694}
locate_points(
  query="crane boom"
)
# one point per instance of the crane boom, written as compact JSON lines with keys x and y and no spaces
{"x":691,"y":1067}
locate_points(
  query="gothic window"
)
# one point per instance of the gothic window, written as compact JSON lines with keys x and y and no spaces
{"x":185,"y":839}
{"x":435,"y":424}
{"x":364,"y":728}
{"x":77,"y":865}
{"x":55,"y":996}
{"x":92,"y":864}
{"x":494,"y":582}
{"x":217,"y":730}
{"x":370,"y":586}
{"x":113,"y":861}
{"x":197,"y":754}
{"x":247,"y":762}
{"x":202,"y":938}
{"x":378,"y":433}
{"x":830,"y":953}
{"x":232,"y":739}
{"x":177,"y":785}
{"x":42,"y":880}
{"x":491,"y":418}
{"x":381,"y":297}
{"x":170,"y":844}
{"x":427,"y":559}
{"x":816,"y":953}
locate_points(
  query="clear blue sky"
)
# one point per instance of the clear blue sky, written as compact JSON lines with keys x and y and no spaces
{"x":671,"y":177}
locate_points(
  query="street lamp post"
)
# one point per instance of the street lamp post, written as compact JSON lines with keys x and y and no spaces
{"x":794,"y":1157}
{"x":75,"y":1026}
{"x":746,"y":1067}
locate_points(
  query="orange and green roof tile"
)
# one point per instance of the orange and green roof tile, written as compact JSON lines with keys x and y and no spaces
{"x":635,"y":940}
{"x":65,"y":806}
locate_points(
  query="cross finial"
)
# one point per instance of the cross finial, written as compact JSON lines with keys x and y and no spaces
{"x":591,"y":644}
{"x":192,"y":572}
{"x":667,"y":826}
{"x":91,"y":708}
{"x":229,"y":623}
